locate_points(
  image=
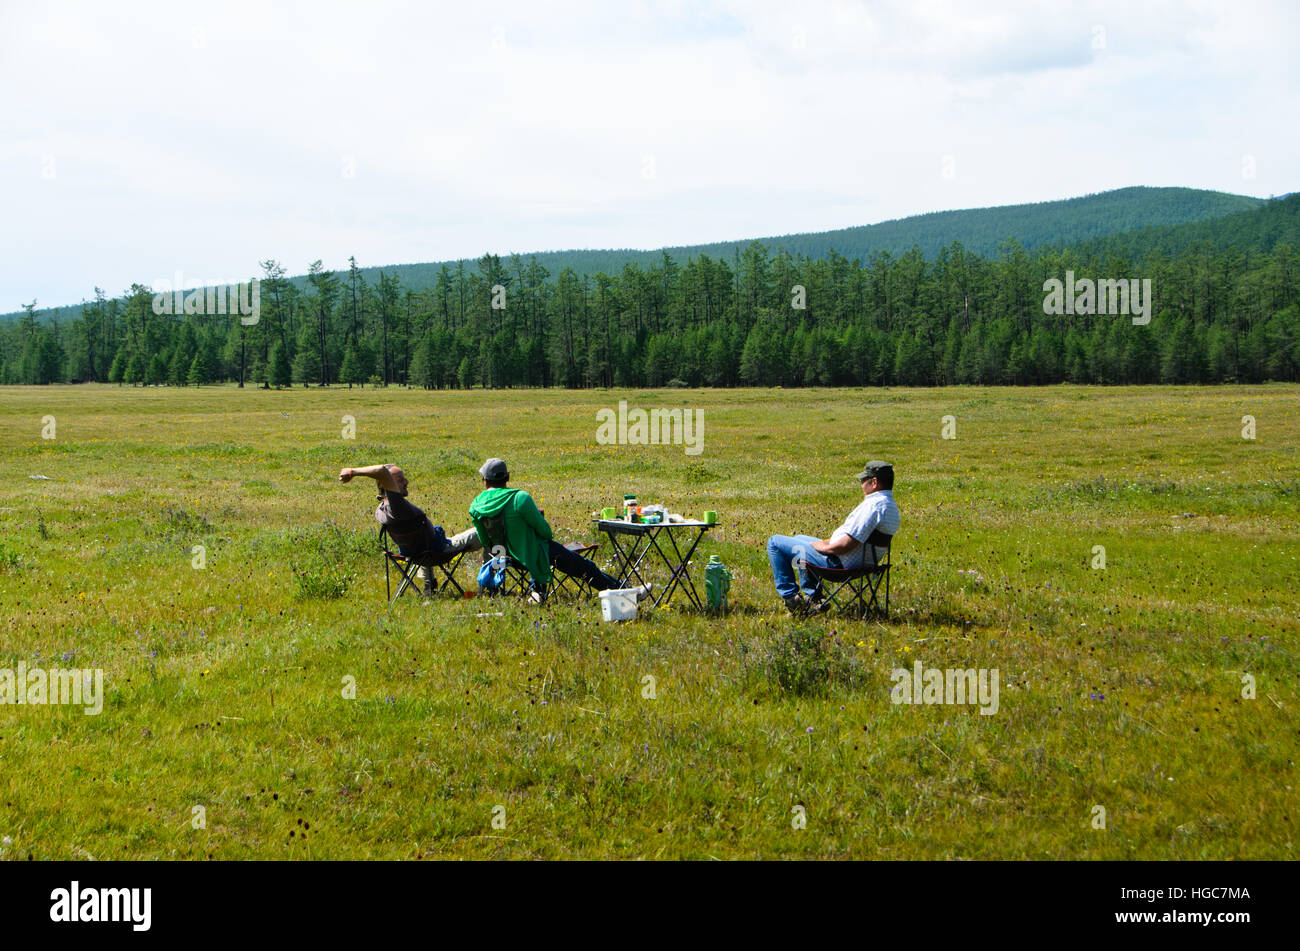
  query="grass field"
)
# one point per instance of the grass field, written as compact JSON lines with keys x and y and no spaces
{"x":224,"y":685}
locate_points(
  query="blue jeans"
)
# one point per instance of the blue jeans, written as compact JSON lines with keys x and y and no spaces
{"x":782,"y":550}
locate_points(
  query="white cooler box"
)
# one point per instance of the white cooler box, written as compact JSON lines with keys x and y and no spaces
{"x":618,"y":604}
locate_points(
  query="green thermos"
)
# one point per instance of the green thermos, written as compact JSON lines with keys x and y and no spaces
{"x":717,"y":582}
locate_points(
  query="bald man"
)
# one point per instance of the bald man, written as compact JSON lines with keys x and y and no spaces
{"x":411,"y":530}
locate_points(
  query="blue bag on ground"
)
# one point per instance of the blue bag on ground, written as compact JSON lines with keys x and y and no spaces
{"x":493,"y":574}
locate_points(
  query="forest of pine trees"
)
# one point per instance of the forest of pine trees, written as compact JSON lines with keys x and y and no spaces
{"x":1218,"y":314}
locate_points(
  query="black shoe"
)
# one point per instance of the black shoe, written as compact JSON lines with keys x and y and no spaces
{"x":818,"y":605}
{"x":797,"y":606}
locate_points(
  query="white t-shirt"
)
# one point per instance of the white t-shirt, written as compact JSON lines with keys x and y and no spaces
{"x":876,"y":511}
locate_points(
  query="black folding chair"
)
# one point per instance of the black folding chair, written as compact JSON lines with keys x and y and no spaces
{"x":439,"y":566}
{"x":856,"y":591}
{"x":572,"y":585}
{"x":492,"y":532}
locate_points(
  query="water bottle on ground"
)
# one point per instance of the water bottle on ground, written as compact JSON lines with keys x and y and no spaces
{"x":717,"y":582}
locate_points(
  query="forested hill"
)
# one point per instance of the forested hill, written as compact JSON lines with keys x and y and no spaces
{"x":1185,"y":304}
{"x":1273,"y":223}
{"x":980,"y":230}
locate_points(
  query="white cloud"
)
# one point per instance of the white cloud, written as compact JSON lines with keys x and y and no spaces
{"x":206,"y":139}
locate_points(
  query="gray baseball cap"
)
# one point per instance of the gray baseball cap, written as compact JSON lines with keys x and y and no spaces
{"x":873,"y":470}
{"x":494,"y":470}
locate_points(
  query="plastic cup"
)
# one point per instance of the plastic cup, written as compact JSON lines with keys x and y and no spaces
{"x":607,"y":513}
{"x":711,"y":518}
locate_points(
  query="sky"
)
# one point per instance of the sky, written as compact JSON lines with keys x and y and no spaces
{"x":142,"y":140}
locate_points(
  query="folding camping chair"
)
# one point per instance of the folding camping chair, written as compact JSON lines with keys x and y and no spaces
{"x":492,"y":532}
{"x":437,"y":565}
{"x":571,"y":584}
{"x":856,"y":591}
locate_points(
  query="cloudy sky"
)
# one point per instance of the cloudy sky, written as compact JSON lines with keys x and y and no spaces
{"x":142,"y":139}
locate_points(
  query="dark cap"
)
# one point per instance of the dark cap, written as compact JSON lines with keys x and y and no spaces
{"x":494,"y":470}
{"x":874,"y":470}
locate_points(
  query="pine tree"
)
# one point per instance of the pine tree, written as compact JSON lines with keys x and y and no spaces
{"x":278,"y":373}
{"x":1141,"y":357}
{"x":306,"y":364}
{"x":178,"y":368}
{"x":752,"y":369}
{"x":1014,"y":372}
{"x":1180,"y":362}
{"x":156,"y":375}
{"x":134,"y":370}
{"x":350,"y":372}
{"x":970,"y":364}
{"x":423,"y":370}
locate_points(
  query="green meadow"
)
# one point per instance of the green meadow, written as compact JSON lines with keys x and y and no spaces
{"x":260,"y":700}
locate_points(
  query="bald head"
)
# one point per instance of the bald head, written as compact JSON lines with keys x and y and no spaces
{"x":396,"y":481}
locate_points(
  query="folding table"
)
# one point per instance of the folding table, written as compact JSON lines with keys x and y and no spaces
{"x":639,"y":546}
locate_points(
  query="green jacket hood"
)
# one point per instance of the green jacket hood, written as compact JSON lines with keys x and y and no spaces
{"x":491,"y":502}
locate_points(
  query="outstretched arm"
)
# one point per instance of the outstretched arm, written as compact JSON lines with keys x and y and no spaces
{"x":380,"y":474}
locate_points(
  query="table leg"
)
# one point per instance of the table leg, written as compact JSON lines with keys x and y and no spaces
{"x":682,"y":577}
{"x":627,"y":566}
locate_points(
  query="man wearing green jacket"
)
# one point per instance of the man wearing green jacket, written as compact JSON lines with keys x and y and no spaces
{"x":501,"y":511}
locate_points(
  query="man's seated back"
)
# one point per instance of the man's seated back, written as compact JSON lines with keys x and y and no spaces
{"x":410,"y":529}
{"x":506,"y":516}
{"x":408,"y":526}
{"x":876,"y":513}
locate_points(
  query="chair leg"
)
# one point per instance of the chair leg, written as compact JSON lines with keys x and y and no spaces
{"x":833,"y":595}
{"x":451,"y":582}
{"x":873,"y":583}
{"x":857,"y":607}
{"x":857,"y":596}
{"x":868,"y":596}
{"x":448,"y":571}
{"x":408,"y":572}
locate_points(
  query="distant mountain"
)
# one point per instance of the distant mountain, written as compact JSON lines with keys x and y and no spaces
{"x":1262,"y":229}
{"x":1142,"y":211}
{"x":980,"y":230}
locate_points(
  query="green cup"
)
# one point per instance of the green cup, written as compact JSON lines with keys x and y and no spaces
{"x":711,"y":518}
{"x":607,"y":514}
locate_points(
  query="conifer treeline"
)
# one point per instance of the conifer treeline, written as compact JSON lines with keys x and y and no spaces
{"x":1217,"y":315}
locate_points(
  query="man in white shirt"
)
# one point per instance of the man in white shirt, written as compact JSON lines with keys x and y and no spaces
{"x":847,"y":546}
